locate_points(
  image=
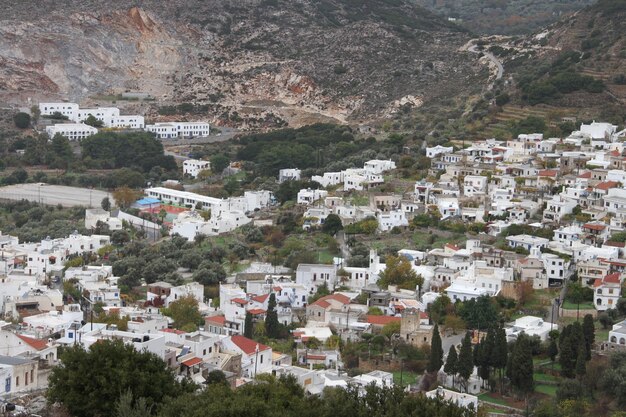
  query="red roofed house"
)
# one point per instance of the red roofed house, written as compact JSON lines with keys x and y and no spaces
{"x":607,"y":291}
{"x":595,"y":233}
{"x":13,"y":344}
{"x":378,"y":322}
{"x":320,"y":310}
{"x":256,"y":358}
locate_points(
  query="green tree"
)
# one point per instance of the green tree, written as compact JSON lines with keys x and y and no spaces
{"x":185,"y":313}
{"x":522,"y":366}
{"x":436,"y":351}
{"x":581,"y":361}
{"x":219,"y":163}
{"x":272,"y":326}
{"x":332,"y":224}
{"x":553,"y":350}
{"x":21,"y":120}
{"x":589,"y":332}
{"x":35,"y":113}
{"x":92,"y":120}
{"x":216,"y":377}
{"x":567,"y":357}
{"x":450,"y":368}
{"x":499,"y":358}
{"x":90,"y":382}
{"x":126,"y":406}
{"x":399,"y":271}
{"x":390,"y":329}
{"x":105,"y":204}
{"x":465,"y":364}
{"x":248,"y":326}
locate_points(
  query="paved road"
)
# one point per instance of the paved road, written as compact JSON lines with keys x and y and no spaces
{"x":448,"y":341}
{"x":341,"y":240}
{"x":54,"y":194}
{"x":500,"y":72}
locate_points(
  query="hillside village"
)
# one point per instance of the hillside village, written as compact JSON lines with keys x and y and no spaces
{"x":517,"y":242}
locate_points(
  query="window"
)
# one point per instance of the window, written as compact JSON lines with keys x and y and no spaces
{"x":17,"y":381}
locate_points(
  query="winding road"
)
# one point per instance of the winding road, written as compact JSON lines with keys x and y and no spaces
{"x":472,"y":47}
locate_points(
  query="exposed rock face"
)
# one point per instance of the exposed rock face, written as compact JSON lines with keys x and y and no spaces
{"x":338,"y":59}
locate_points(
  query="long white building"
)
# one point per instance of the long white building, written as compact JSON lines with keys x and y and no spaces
{"x":72,"y":131}
{"x":173,"y":130}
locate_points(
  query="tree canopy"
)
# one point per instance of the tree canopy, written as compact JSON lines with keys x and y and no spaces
{"x":90,"y":382}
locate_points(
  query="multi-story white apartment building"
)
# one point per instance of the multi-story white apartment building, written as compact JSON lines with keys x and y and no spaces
{"x":193,"y":167}
{"x":173,"y":130}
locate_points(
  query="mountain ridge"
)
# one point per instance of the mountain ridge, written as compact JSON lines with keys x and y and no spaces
{"x":339,"y":59}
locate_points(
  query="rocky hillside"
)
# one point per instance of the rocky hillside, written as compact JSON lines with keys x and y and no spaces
{"x":504,"y":16}
{"x":252,"y":61}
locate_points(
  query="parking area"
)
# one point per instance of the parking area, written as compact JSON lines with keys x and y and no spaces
{"x":54,"y":194}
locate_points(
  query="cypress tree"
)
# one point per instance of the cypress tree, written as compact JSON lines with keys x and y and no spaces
{"x":589,"y":332}
{"x":581,"y":361}
{"x":272,"y":326}
{"x":567,"y":357}
{"x":553,"y":350}
{"x":500,"y":352}
{"x":436,"y":351}
{"x":522,"y":365}
{"x":466,"y":360}
{"x":450,"y":368}
{"x":248,"y":330}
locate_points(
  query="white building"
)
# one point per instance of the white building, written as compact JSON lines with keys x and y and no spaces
{"x":193,"y":167}
{"x":377,"y":166}
{"x":93,"y":216}
{"x":532,"y":326}
{"x":256,"y":358}
{"x":329,"y":178}
{"x":72,"y":131}
{"x":391,"y":219}
{"x":68,"y":110}
{"x":527,"y":242}
{"x":460,"y":399}
{"x":308,"y":196}
{"x":103,"y":114}
{"x":172,"y":130}
{"x":474,"y":185}
{"x":312,"y":276}
{"x":607,"y":292}
{"x":438,"y":150}
{"x":128,"y":122}
{"x":288,"y":175}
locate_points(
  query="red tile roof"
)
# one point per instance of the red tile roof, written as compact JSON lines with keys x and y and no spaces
{"x":260,"y":298}
{"x":382,"y":320}
{"x":615,"y":152}
{"x":247,"y":345}
{"x":239,"y":301}
{"x":192,"y":361}
{"x":256,"y":311}
{"x":38,"y":344}
{"x":175,"y":331}
{"x":548,"y":173}
{"x":585,"y":175}
{"x":613,"y":278}
{"x":594,"y":226}
{"x":452,"y":246}
{"x":323,"y":302}
{"x":316,"y":357}
{"x":615,"y":244}
{"x":597,"y":282}
{"x":607,"y":185}
{"x":221,"y":320}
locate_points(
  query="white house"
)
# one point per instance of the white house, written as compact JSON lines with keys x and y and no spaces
{"x":72,"y":131}
{"x":103,"y":114}
{"x":328,"y":178}
{"x":532,"y":326}
{"x":289,"y":175}
{"x":377,"y":166}
{"x":460,"y":399}
{"x":438,"y":150}
{"x":607,"y":291}
{"x":308,"y":196}
{"x":527,"y":242}
{"x":598,"y":131}
{"x":315,"y":275}
{"x":256,"y":358}
{"x":193,"y":167}
{"x":474,"y":185}
{"x":391,"y":219}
